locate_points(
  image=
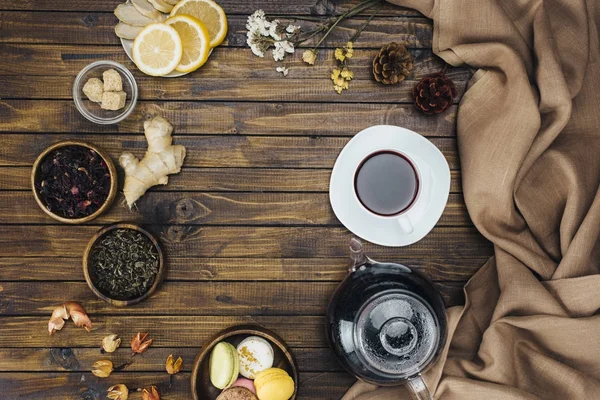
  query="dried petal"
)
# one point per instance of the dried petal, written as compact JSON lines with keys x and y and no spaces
{"x":150,"y":394}
{"x":102,"y":368}
{"x":140,"y":343}
{"x":173,"y":366}
{"x":118,"y":392}
{"x":57,"y":320}
{"x":80,"y":317}
{"x":111,"y":343}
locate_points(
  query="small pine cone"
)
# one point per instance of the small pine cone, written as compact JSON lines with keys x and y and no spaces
{"x":434,"y":93}
{"x":392,"y":64}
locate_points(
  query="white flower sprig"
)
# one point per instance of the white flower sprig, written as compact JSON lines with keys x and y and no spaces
{"x":262,"y":34}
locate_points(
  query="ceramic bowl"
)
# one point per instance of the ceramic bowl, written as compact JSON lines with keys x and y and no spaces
{"x":86,"y":265}
{"x":91,"y":110}
{"x":112,"y":193}
{"x":202,"y":388}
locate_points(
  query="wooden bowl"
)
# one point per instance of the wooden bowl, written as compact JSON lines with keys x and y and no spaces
{"x":86,"y":265}
{"x":112,"y":193}
{"x":202,"y":388}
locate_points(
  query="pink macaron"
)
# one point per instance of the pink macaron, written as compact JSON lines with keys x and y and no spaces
{"x":247,"y":383}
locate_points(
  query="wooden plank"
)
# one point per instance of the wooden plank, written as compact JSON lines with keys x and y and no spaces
{"x":61,"y":116}
{"x":60,"y":359}
{"x":197,"y":88}
{"x":251,"y":242}
{"x":210,"y":151}
{"x":231,"y":7}
{"x":235,"y":269}
{"x":60,"y":386}
{"x":221,"y":180}
{"x":98,"y":28}
{"x":261,"y":209}
{"x":167,"y":331}
{"x":233,"y":63}
{"x":190,"y":298}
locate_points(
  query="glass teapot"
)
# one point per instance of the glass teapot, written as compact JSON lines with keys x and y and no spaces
{"x":386,"y":323}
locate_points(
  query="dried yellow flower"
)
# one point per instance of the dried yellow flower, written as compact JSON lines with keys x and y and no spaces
{"x":118,"y":392}
{"x":347,"y":74}
{"x":111,"y":343}
{"x":339,"y":54}
{"x":173,"y":366}
{"x":335,"y":73}
{"x":349,"y":49}
{"x":309,"y":57}
{"x":102,"y":368}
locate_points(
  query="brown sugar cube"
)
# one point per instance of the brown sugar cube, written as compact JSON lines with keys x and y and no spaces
{"x":113,"y":100}
{"x":94,"y":89}
{"x":112,"y":81}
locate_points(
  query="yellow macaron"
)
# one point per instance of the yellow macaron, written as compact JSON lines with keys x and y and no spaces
{"x":274,"y":384}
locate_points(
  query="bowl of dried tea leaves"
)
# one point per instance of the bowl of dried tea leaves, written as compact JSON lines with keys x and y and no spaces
{"x":123,"y":264}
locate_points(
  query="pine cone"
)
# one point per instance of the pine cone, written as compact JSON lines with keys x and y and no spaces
{"x":434,"y":93}
{"x":392,"y":64}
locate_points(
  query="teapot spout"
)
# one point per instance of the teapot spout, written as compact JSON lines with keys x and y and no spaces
{"x":357,"y":254}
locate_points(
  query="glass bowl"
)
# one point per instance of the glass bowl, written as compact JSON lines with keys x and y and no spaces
{"x":91,"y":110}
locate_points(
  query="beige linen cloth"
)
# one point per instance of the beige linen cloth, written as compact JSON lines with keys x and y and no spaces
{"x":529,"y":142}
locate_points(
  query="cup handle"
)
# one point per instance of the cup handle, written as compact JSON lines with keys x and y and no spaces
{"x":418,"y":389}
{"x":405,"y":224}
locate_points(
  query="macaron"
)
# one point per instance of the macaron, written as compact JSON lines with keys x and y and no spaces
{"x":274,"y":384}
{"x":237,"y":393}
{"x":255,"y":354}
{"x":247,"y":383}
{"x":224,"y":365}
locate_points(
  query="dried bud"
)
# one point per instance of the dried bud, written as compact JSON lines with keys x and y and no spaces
{"x":173,"y":366}
{"x":111,"y":343}
{"x":140,"y":343}
{"x":150,"y":394}
{"x":80,"y":317}
{"x":62,"y":313}
{"x":118,"y":392}
{"x":102,"y":368}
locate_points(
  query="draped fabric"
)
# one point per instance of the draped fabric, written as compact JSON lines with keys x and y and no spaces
{"x":528,"y":132}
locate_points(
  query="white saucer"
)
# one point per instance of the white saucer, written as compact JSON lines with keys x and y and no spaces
{"x":424,"y":214}
{"x":128,"y":45}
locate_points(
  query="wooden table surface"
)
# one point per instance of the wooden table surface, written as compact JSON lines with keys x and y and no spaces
{"x":247,"y":227}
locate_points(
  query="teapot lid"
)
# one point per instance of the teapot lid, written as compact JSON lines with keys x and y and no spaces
{"x":396,"y":334}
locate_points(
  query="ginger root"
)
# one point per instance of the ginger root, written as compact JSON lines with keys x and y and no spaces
{"x":161,"y":159}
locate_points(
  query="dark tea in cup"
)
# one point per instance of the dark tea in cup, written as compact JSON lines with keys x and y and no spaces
{"x":387,"y":183}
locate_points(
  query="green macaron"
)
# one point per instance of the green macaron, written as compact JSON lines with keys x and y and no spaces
{"x":224,"y":365}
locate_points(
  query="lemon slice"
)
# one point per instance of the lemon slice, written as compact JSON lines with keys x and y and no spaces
{"x":195,"y":39}
{"x":157,"y":49}
{"x":208,"y":12}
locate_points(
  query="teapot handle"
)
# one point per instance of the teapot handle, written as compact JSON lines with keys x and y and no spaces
{"x":357,"y":255}
{"x":418,"y":389}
